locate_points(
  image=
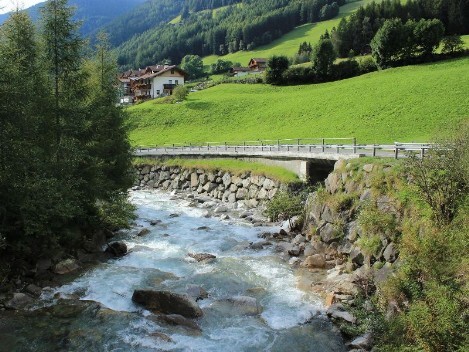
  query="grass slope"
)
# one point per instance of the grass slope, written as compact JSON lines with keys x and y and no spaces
{"x":413,"y":103}
{"x":234,"y":166}
{"x":289,"y":43}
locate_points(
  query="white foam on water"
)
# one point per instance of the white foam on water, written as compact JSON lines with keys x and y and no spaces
{"x":286,"y":306}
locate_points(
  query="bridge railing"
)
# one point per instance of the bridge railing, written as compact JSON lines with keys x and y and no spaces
{"x":299,"y":145}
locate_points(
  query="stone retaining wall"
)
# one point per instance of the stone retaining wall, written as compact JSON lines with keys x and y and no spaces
{"x":249,"y":190}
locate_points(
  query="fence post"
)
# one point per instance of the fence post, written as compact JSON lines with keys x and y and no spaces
{"x":354,"y":145}
{"x":323,"y":145}
{"x":298,"y":144}
{"x":396,"y":152}
{"x":374,"y":149}
{"x":422,"y":152}
{"x":278,"y":144}
{"x":244,"y":146}
{"x":225,"y":146}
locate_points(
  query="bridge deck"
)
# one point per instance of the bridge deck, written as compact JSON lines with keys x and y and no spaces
{"x":289,"y":151}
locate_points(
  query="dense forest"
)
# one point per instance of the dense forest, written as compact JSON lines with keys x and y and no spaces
{"x":64,"y":154}
{"x":355,"y":33}
{"x":242,"y":26}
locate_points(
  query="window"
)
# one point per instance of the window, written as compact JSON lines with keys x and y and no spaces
{"x":157,"y":92}
{"x":170,"y":81}
{"x":176,"y":82}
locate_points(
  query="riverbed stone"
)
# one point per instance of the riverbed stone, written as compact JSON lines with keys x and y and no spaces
{"x":363,"y":342}
{"x":315,"y":261}
{"x":177,"y":320}
{"x":329,"y":233}
{"x":238,"y":305}
{"x":202,"y":257}
{"x":337,"y":312}
{"x":66,"y":266}
{"x":220,"y":209}
{"x":143,"y":232}
{"x":196,"y":292}
{"x":117,"y":248}
{"x":19,"y":301}
{"x":167,"y":302}
{"x":161,"y":336}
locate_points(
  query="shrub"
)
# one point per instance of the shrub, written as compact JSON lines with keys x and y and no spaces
{"x":345,"y":69}
{"x":367,"y":65}
{"x":442,"y":176}
{"x":284,"y":205}
{"x":116,"y":213}
{"x":180,"y":93}
{"x":452,"y":44}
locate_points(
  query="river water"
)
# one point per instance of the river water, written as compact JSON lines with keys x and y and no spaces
{"x":290,"y":319}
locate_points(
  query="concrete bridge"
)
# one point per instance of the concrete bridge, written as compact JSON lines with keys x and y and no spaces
{"x":311,"y":159}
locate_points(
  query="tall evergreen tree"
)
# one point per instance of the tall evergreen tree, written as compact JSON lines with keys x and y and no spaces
{"x":109,"y":146}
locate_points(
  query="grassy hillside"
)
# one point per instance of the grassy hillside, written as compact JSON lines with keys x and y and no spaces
{"x":413,"y":103}
{"x":289,"y":43}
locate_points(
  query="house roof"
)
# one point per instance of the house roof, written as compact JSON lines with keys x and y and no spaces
{"x":240,"y":69}
{"x":161,"y":71}
{"x":149,"y":72}
{"x":258,"y":60}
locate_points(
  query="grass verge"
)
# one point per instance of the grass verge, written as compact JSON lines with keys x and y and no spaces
{"x":234,"y":166}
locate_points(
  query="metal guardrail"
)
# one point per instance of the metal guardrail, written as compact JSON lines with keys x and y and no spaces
{"x":297,"y":146}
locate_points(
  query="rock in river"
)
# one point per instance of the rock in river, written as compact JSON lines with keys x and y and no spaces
{"x":167,"y":303}
{"x":117,"y":249}
{"x":202,"y":257}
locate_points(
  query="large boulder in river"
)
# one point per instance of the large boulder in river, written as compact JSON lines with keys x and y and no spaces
{"x":202,"y":257}
{"x":167,"y":303}
{"x":117,"y":249}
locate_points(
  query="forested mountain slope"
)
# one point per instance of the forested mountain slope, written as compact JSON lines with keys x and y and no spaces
{"x":93,"y":14}
{"x":235,"y":25}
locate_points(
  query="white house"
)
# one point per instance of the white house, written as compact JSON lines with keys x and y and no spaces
{"x":151,"y":82}
{"x":162,"y":79}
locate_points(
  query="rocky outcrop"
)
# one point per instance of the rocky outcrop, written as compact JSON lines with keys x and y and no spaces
{"x":167,"y":303}
{"x":246,"y":189}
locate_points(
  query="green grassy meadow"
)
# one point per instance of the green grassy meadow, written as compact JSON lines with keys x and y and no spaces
{"x":289,"y":43}
{"x":413,"y":103}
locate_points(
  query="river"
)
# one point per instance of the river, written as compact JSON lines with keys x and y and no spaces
{"x":290,"y":319}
